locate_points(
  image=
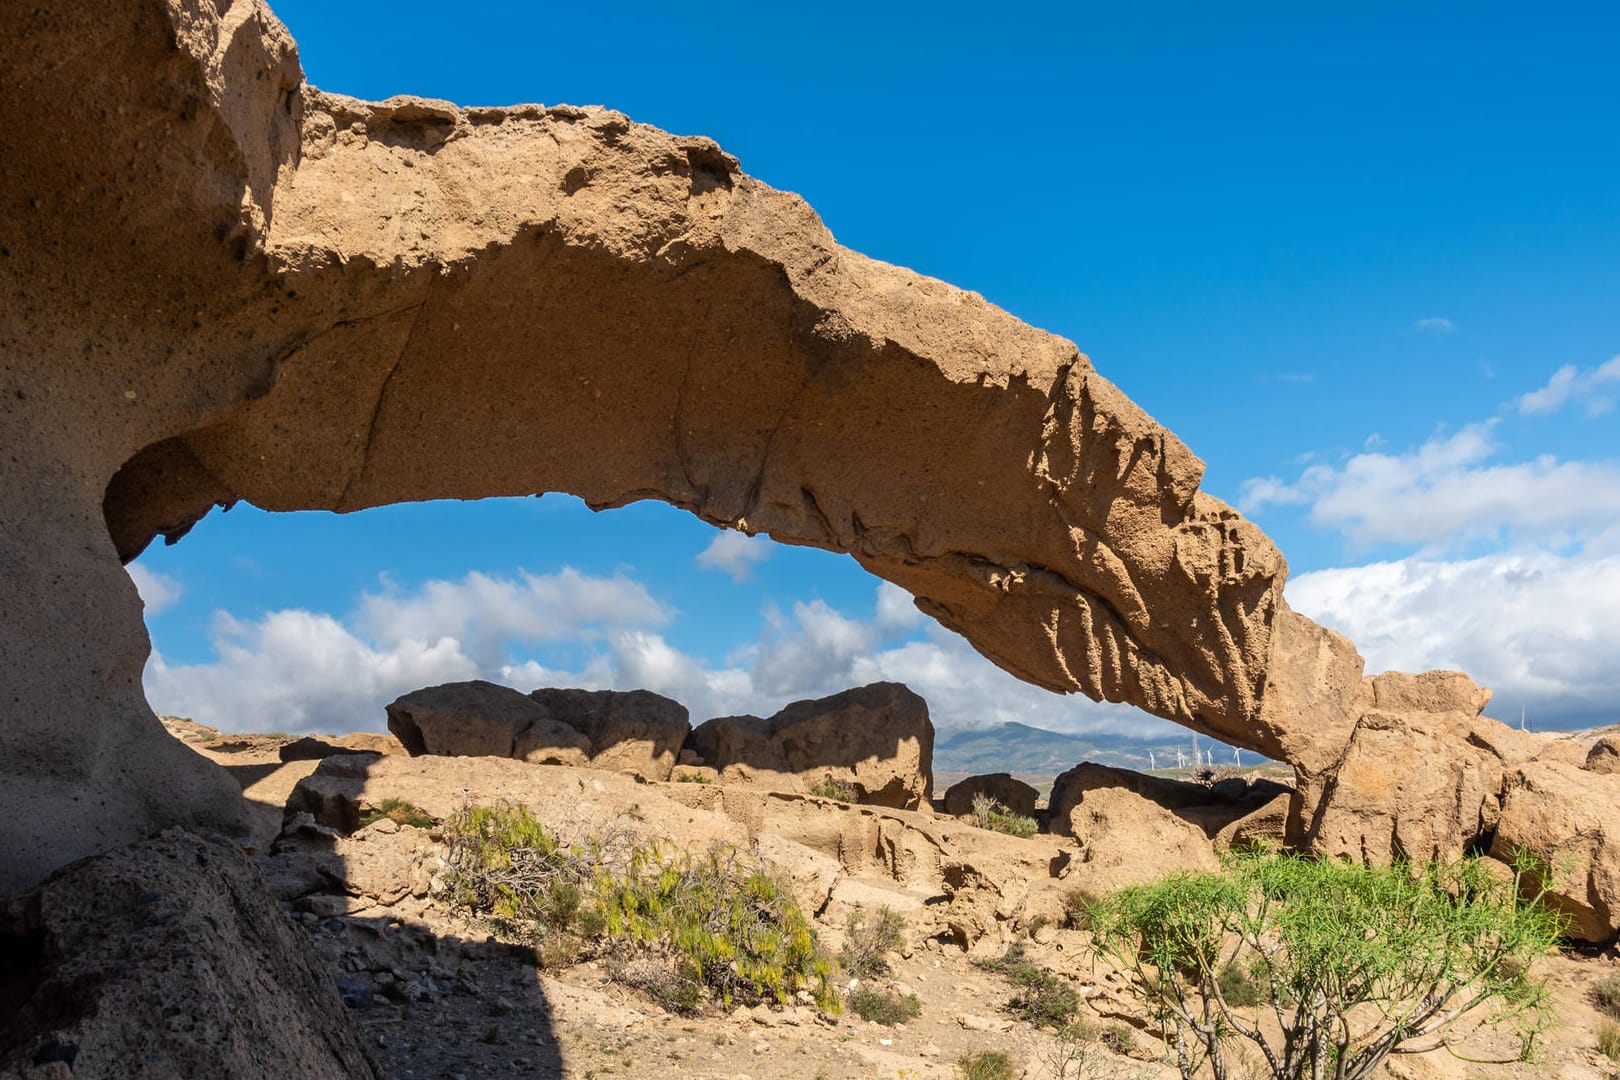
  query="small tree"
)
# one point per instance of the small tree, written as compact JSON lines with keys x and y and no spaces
{"x":1350,"y":963}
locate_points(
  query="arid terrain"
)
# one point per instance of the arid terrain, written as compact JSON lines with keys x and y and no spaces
{"x":438,"y":995}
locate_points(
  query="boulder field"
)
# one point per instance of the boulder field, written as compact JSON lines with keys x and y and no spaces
{"x":219,"y":283}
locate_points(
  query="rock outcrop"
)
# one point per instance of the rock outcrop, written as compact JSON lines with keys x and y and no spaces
{"x":1129,"y":839}
{"x":1570,"y":818}
{"x":163,"y":959}
{"x":877,"y":739}
{"x":1212,"y":808}
{"x":1006,"y":789}
{"x":481,"y":719}
{"x":630,"y":731}
{"x":307,"y":301}
{"x":224,"y":284}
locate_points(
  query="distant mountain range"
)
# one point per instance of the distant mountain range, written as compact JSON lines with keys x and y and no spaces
{"x":1033,"y":751}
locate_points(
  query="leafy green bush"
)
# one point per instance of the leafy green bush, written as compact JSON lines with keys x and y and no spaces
{"x":986,"y":1065}
{"x":1356,"y":962}
{"x":723,"y":923}
{"x":1607,"y":995}
{"x":398,"y":810}
{"x":883,"y":1006}
{"x":867,"y":942}
{"x":990,"y":814}
{"x":830,"y":787}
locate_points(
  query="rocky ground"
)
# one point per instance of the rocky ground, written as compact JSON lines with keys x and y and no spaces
{"x":438,"y":996}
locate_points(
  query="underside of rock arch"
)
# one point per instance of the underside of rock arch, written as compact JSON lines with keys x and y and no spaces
{"x":221,"y":284}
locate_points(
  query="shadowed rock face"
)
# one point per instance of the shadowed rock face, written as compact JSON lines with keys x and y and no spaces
{"x":221,"y":284}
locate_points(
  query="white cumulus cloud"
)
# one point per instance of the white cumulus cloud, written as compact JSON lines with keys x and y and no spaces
{"x":735,"y":553}
{"x":1595,"y":389}
{"x":1446,"y":491}
{"x":297,"y":670}
{"x":159,"y":591}
{"x":1537,"y":627}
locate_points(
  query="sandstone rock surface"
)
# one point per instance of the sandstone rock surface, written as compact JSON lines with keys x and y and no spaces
{"x":1006,"y":789}
{"x":480,"y":719}
{"x":167,"y":959}
{"x":1128,"y":839}
{"x":877,"y":738}
{"x":634,"y":731}
{"x":1570,"y":817}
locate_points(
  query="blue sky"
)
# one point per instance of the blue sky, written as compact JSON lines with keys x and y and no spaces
{"x":1362,"y":260}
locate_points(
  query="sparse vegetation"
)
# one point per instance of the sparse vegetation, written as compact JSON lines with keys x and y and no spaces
{"x":1607,"y":995}
{"x":1041,"y":998}
{"x":399,"y":811}
{"x":1077,"y":908}
{"x":1608,"y":1039}
{"x":990,"y":814}
{"x":693,"y":778}
{"x":868,"y":940}
{"x":830,"y":787}
{"x":884,"y":1006}
{"x":1072,"y":1052}
{"x":1118,"y":1038}
{"x":986,"y":1065}
{"x":1355,"y":962}
{"x":722,"y":928}
{"x":1237,"y":987}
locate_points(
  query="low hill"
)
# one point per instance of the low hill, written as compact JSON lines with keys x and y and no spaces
{"x":1032,"y":751}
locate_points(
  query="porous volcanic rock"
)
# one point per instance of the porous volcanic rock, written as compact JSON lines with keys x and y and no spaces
{"x":1211,"y":808}
{"x":631,"y":731}
{"x":877,"y":738}
{"x":1129,"y":839}
{"x":1569,"y":817}
{"x":481,"y":719}
{"x":1421,"y":782}
{"x":1006,"y":789}
{"x":164,"y":959}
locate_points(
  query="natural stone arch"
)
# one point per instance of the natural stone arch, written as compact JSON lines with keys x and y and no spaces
{"x":238,"y":287}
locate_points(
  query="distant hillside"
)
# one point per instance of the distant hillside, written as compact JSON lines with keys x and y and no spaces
{"x":1032,"y":751}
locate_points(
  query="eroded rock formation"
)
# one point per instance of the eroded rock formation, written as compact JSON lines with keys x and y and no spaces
{"x":219,"y":283}
{"x":228,"y":285}
{"x":876,"y":741}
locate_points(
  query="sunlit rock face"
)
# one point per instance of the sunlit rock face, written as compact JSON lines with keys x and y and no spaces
{"x":222,"y":284}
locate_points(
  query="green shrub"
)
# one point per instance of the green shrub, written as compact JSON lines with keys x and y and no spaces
{"x":1607,"y":995}
{"x":867,"y":942}
{"x":723,"y":923}
{"x":1608,"y":1039}
{"x":1077,"y":908}
{"x":830,"y":787}
{"x":883,"y":1006}
{"x":1043,"y":999}
{"x":693,"y":778}
{"x":1237,"y":987}
{"x":986,"y":1065}
{"x":1358,"y":962}
{"x":405,"y":813}
{"x":1118,"y":1038}
{"x":990,"y":814}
